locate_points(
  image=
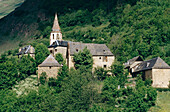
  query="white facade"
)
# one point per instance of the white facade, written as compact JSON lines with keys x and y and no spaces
{"x":55,"y":36}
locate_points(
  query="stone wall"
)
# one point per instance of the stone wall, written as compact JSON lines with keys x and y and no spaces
{"x":103,"y":61}
{"x":98,"y":61}
{"x":50,"y":71}
{"x":61,"y":50}
{"x":161,"y":78}
{"x":70,"y":62}
{"x":148,"y":74}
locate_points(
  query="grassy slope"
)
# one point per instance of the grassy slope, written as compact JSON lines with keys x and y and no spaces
{"x":7,"y":6}
{"x":162,"y":102}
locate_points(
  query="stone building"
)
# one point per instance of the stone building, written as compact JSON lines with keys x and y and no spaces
{"x":50,"y":66}
{"x":132,"y":63}
{"x":155,"y":69}
{"x":102,"y":56}
{"x":27,"y":50}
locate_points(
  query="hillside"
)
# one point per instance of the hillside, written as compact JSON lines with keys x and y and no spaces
{"x":129,"y":28}
{"x":8,"y":6}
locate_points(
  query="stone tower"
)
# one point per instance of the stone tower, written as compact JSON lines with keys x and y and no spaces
{"x":56,"y":32}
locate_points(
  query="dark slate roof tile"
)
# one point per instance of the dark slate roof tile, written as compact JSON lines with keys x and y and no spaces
{"x":95,"y":49}
{"x":131,"y":61}
{"x":156,"y":63}
{"x":26,"y":50}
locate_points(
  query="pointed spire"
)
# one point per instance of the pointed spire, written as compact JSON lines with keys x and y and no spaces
{"x":56,"y":26}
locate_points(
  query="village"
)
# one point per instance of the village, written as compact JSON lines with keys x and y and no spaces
{"x":155,"y":69}
{"x":84,"y":56}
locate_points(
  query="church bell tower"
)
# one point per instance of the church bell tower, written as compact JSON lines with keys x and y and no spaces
{"x":56,"y":32}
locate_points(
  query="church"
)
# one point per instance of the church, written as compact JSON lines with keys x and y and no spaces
{"x":102,"y":56}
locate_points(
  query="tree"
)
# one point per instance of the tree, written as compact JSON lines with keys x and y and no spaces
{"x":101,"y":73}
{"x":77,"y":92}
{"x":117,"y":69}
{"x":140,"y":98}
{"x":8,"y":73}
{"x":26,"y":67}
{"x":59,"y":58}
{"x":41,"y":52}
{"x":83,"y":58}
{"x":43,"y":78}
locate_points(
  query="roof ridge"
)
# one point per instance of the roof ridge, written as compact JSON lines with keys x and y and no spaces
{"x":50,"y":61}
{"x":160,"y":62}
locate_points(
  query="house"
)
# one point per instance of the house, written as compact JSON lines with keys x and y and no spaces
{"x":27,"y":50}
{"x":132,"y":63}
{"x":155,"y":69}
{"x":50,"y":66}
{"x":102,"y":56}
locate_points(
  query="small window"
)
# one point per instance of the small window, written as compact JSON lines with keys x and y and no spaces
{"x":51,"y":51}
{"x":100,"y":58}
{"x":105,"y":59}
{"x":105,"y":66}
{"x":77,"y":50}
{"x":148,"y":64}
{"x":57,"y":36}
{"x":53,"y":36}
{"x":50,"y":67}
{"x":55,"y":50}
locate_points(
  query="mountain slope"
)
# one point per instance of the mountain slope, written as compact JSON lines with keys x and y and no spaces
{"x":34,"y":18}
{"x":129,"y":28}
{"x":8,"y":6}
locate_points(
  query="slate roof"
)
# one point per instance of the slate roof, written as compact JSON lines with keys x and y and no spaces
{"x":56,"y":27}
{"x":131,"y":61}
{"x":50,"y":61}
{"x":156,"y":63}
{"x":59,"y":43}
{"x":26,"y":50}
{"x":95,"y":49}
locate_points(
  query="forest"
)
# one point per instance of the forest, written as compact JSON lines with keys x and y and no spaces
{"x":128,"y":27}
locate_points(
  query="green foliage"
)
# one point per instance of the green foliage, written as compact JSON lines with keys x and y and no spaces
{"x":8,"y":73}
{"x":96,"y":108}
{"x":101,"y":73}
{"x":43,"y":78}
{"x":148,"y":82}
{"x":7,"y":100}
{"x":59,"y":58}
{"x":117,"y":70}
{"x":140,"y":98}
{"x":27,"y":67}
{"x":142,"y":30}
{"x":83,"y":58}
{"x":77,"y":93}
{"x":34,"y":101}
{"x":12,"y":71}
{"x":41,"y":53}
{"x":57,"y":83}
